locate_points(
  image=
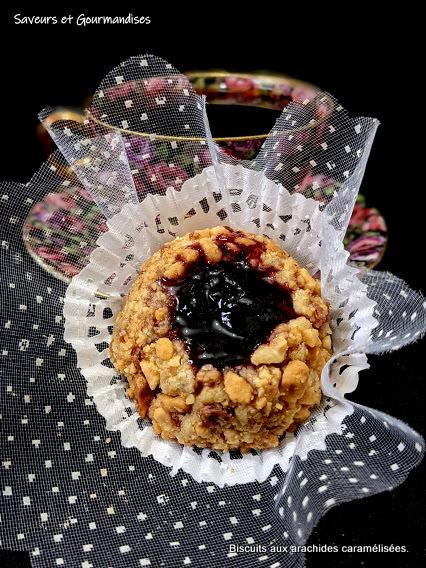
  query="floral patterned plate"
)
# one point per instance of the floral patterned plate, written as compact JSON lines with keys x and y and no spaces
{"x":61,"y":231}
{"x":366,"y":236}
{"x":60,"y":235}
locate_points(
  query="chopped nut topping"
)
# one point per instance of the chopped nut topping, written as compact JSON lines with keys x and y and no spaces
{"x":164,"y":348}
{"x":236,"y":406}
{"x":151,"y":374}
{"x":237,"y":388}
{"x":294,"y":375}
{"x":172,"y":403}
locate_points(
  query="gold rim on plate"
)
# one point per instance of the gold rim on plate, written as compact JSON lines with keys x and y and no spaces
{"x":279,"y":78}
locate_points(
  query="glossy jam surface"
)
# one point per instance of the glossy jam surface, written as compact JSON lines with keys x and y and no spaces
{"x":224,"y":311}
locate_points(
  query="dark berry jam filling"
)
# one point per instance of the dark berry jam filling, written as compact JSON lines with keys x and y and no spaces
{"x":224,"y":311}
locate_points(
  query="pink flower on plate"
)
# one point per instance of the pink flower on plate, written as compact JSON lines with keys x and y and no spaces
{"x":49,"y":254}
{"x":61,"y":200}
{"x":238,"y":84}
{"x":303,"y":93}
{"x":242,"y":149}
{"x":74,"y":224}
{"x":41,"y":212}
{"x":365,"y":256}
{"x":323,"y":109}
{"x":120,"y":91}
{"x":38,"y":208}
{"x":374,"y":223}
{"x":161,"y":176}
{"x":156,"y":86}
{"x":365,"y":243}
{"x":103,"y":227}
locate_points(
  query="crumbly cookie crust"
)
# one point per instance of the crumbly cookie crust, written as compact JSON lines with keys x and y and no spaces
{"x":244,"y":407}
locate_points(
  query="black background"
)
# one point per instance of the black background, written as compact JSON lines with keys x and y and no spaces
{"x":368,"y":61}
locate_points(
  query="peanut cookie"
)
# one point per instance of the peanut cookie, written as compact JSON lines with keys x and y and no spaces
{"x":222,"y":339}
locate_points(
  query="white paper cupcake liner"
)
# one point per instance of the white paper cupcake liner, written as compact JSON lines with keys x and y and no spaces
{"x":254,"y":204}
